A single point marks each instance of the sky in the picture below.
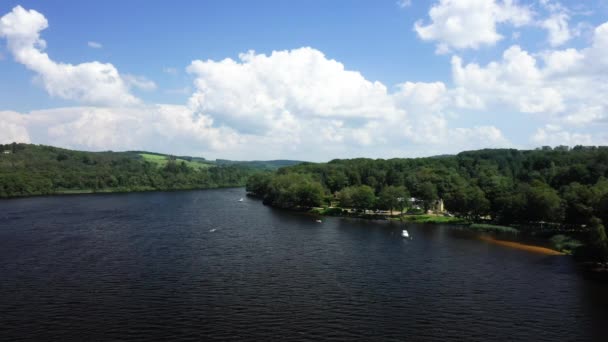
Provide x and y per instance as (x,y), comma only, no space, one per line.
(310,80)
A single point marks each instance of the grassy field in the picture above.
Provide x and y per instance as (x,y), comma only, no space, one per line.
(161,160)
(434,219)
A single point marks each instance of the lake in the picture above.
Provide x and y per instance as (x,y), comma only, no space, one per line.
(197,265)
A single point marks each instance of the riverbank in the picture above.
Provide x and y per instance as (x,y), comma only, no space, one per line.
(560,244)
(72,192)
(520,246)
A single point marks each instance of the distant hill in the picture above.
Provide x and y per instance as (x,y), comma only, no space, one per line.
(269,165)
(260,164)
(27,169)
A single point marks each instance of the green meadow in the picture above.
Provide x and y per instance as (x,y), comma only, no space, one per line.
(162,160)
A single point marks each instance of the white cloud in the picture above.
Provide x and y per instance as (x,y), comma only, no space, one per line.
(565,88)
(421,96)
(516,81)
(478,137)
(567,84)
(288,104)
(139,82)
(297,93)
(556,23)
(179,91)
(404,3)
(554,135)
(459,24)
(94,45)
(155,127)
(92,82)
(176,129)
(557,26)
(291,103)
(515,35)
(260,91)
(12,128)
(587,115)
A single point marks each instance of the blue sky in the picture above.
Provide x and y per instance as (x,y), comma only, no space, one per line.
(347,79)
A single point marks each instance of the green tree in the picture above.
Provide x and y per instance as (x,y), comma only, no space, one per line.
(363,197)
(544,204)
(468,202)
(345,197)
(393,197)
(578,202)
(427,192)
(309,194)
(599,241)
(358,197)
(601,208)
(258,184)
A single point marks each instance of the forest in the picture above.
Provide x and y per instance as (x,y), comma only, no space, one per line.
(27,170)
(559,187)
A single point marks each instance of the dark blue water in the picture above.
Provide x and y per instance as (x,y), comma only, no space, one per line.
(200,265)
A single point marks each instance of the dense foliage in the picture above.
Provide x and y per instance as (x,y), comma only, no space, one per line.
(38,170)
(560,186)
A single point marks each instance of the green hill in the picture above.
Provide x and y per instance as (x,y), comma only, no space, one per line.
(260,164)
(161,160)
(27,170)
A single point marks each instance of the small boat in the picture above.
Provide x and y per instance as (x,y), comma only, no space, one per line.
(212,230)
(241,199)
(319,221)
(405,234)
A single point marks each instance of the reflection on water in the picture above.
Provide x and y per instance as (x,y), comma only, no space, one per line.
(199,265)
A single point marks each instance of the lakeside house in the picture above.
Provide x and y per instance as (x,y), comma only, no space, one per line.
(436,206)
(6,152)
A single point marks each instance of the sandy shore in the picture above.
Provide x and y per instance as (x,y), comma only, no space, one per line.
(529,248)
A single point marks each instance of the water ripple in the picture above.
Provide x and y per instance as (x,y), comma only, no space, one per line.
(194,266)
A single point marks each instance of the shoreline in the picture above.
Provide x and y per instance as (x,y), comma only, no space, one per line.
(451,220)
(520,246)
(76,192)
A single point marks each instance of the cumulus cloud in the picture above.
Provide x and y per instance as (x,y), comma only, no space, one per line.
(259,91)
(556,81)
(459,24)
(291,103)
(140,82)
(554,135)
(516,81)
(297,93)
(94,45)
(12,128)
(557,26)
(287,104)
(176,129)
(565,87)
(91,82)
(155,127)
(557,23)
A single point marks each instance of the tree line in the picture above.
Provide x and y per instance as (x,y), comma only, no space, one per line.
(560,186)
(27,170)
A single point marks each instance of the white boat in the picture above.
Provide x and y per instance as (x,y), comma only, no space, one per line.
(241,200)
(319,221)
(405,234)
